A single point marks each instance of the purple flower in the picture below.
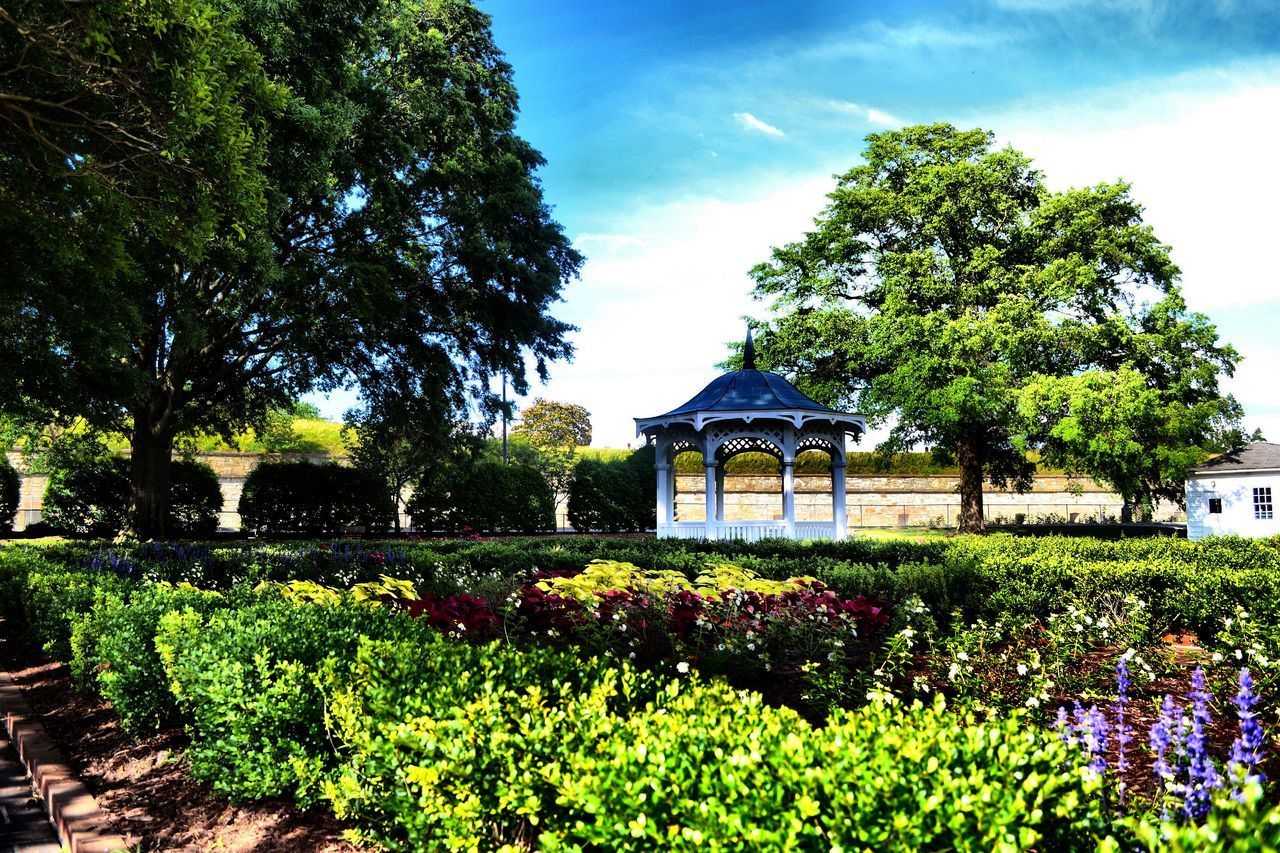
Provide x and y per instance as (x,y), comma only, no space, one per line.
(1246,751)
(1202,776)
(1165,734)
(1122,729)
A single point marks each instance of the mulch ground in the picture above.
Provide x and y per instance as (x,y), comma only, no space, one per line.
(142,784)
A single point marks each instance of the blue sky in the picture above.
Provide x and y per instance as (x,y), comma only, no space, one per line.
(684,139)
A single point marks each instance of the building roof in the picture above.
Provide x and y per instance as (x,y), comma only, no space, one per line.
(1255,456)
(750,393)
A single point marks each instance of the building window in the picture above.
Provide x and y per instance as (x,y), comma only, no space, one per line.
(1215,506)
(1262,503)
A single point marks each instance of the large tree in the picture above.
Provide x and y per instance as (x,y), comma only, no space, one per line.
(944,277)
(121,124)
(405,245)
(555,431)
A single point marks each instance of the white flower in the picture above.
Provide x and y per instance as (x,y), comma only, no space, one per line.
(682,667)
(1217,657)
(962,656)
(1022,669)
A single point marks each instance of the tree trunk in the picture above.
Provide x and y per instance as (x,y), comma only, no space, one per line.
(149,468)
(1126,512)
(969,459)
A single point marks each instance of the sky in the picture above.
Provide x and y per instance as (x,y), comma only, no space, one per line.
(684,139)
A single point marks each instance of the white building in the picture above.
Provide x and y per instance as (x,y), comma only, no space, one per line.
(1235,493)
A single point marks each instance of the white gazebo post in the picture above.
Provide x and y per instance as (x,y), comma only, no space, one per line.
(709,462)
(839,515)
(789,481)
(720,492)
(665,497)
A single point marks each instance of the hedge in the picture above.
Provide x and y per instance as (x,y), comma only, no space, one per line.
(91,498)
(614,496)
(10,487)
(306,499)
(485,497)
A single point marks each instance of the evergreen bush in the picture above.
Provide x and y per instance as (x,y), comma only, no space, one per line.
(614,496)
(485,497)
(10,487)
(306,499)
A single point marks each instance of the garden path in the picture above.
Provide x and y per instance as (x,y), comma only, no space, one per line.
(23,825)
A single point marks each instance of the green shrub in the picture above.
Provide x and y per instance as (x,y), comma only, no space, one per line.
(882,778)
(614,496)
(90,497)
(114,649)
(453,746)
(10,489)
(195,499)
(248,680)
(304,499)
(464,748)
(486,497)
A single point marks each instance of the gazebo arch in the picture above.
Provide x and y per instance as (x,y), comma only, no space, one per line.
(744,411)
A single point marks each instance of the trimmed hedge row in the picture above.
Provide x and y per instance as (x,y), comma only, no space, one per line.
(305,499)
(614,496)
(91,498)
(486,497)
(1189,586)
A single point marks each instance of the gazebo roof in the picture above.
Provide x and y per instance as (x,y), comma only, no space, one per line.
(749,394)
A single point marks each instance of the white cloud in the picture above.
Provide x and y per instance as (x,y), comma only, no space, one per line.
(877,40)
(608,242)
(869,114)
(1199,151)
(750,122)
(655,320)
(876,116)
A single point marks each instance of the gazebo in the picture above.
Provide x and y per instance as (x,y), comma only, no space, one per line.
(747,411)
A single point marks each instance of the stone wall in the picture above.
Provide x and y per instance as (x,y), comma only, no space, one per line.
(904,501)
(873,500)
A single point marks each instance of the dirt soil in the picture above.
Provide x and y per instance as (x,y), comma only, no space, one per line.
(142,784)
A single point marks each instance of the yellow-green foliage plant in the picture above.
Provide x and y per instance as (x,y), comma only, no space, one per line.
(458,747)
(722,577)
(385,587)
(602,576)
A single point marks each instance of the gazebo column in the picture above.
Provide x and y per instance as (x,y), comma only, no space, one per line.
(664,496)
(838,494)
(720,492)
(709,463)
(789,496)
(789,481)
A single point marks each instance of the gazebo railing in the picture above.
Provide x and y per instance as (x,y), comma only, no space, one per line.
(746,531)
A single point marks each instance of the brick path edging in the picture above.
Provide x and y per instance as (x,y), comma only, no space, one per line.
(73,810)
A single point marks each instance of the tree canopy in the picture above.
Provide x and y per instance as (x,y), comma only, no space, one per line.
(944,284)
(402,242)
(548,423)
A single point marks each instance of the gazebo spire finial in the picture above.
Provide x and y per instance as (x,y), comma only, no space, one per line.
(749,352)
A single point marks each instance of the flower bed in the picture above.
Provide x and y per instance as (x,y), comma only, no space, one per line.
(459,708)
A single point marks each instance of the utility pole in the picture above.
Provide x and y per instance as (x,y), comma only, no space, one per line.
(504,418)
